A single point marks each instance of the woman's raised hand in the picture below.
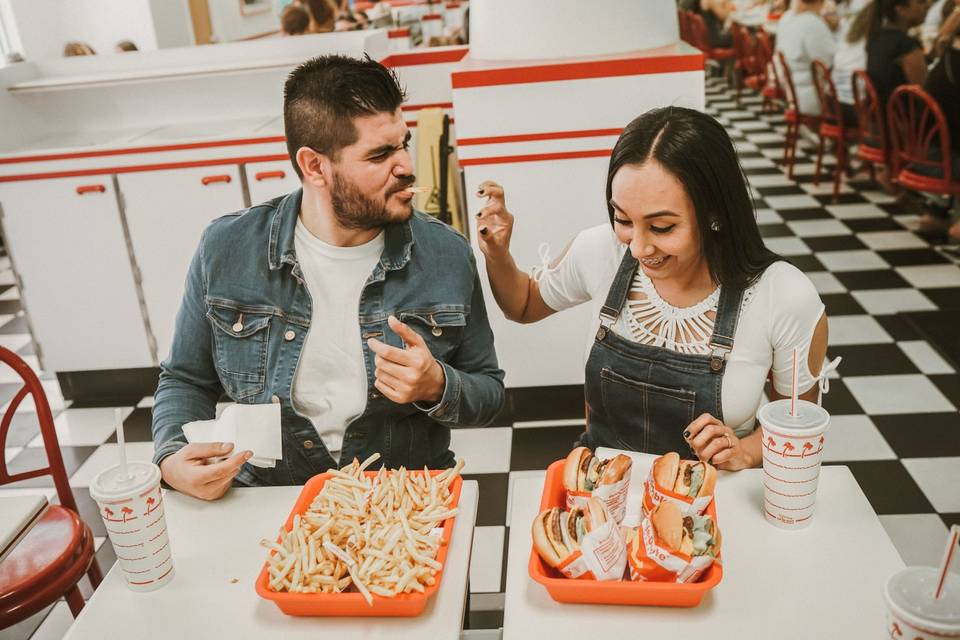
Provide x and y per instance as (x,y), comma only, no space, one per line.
(494,222)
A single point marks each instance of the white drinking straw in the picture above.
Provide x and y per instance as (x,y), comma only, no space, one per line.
(793,390)
(118,420)
(952,538)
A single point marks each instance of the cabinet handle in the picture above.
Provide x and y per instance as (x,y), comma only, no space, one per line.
(211,179)
(90,188)
(266,175)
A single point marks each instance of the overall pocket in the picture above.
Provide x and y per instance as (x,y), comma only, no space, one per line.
(442,328)
(241,340)
(644,416)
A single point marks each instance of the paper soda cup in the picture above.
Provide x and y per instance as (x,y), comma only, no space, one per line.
(792,451)
(912,611)
(132,511)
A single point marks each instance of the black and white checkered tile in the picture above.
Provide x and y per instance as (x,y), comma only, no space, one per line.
(894,308)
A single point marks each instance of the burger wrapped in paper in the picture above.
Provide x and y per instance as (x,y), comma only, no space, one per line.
(583,542)
(669,546)
(687,483)
(586,476)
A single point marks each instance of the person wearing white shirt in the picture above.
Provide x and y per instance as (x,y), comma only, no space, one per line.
(803,36)
(694,313)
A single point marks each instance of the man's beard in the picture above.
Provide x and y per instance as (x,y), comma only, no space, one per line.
(356,210)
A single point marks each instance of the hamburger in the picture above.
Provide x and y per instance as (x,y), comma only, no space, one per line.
(557,533)
(685,477)
(583,471)
(692,535)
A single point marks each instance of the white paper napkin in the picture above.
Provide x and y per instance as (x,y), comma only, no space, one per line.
(253,427)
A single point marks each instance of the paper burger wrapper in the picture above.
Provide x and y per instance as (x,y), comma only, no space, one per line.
(613,497)
(602,555)
(654,494)
(651,560)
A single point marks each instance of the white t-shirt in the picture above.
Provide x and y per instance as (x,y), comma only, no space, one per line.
(330,384)
(848,58)
(803,38)
(778,314)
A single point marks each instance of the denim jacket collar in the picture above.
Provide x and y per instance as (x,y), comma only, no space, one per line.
(398,238)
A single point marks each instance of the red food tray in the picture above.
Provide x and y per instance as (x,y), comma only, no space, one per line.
(661,594)
(352,603)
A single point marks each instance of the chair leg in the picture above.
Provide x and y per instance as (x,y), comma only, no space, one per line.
(816,175)
(840,169)
(789,147)
(75,600)
(95,574)
(873,171)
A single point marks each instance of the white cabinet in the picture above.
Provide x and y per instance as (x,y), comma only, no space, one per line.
(267,180)
(166,213)
(66,241)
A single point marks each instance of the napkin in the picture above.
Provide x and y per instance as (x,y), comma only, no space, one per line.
(253,427)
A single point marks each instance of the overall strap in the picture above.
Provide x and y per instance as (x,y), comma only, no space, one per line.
(725,327)
(619,290)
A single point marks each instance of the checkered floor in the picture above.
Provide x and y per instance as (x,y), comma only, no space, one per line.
(894,404)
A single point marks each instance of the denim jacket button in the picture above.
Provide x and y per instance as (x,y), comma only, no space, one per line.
(275,399)
(308,444)
(289,335)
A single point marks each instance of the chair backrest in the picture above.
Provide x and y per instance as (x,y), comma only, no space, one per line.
(873,130)
(765,51)
(32,387)
(788,89)
(918,132)
(830,109)
(684,25)
(698,32)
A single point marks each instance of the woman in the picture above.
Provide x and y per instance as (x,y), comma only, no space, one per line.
(803,36)
(893,56)
(850,56)
(697,312)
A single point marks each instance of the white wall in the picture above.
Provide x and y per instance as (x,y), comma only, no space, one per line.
(230,24)
(171,23)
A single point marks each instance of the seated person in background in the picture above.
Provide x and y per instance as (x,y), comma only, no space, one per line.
(323,15)
(125,46)
(715,14)
(894,57)
(294,21)
(362,318)
(346,22)
(850,56)
(78,49)
(803,37)
(694,312)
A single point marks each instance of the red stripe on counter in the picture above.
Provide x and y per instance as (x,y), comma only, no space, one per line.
(151,149)
(578,70)
(530,137)
(412,124)
(424,57)
(402,32)
(141,167)
(536,157)
(418,107)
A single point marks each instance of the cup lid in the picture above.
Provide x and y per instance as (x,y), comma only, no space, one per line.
(810,416)
(911,592)
(110,484)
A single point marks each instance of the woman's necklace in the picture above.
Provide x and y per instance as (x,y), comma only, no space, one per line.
(652,320)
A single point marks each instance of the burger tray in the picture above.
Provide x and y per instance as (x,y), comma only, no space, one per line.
(660,594)
(352,603)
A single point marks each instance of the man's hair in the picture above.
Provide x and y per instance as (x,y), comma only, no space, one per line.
(294,20)
(324,95)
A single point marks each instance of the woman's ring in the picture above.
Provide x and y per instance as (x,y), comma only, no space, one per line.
(729,441)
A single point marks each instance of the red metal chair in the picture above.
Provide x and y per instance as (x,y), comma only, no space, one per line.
(920,154)
(793,116)
(771,91)
(698,31)
(832,126)
(54,556)
(684,23)
(873,148)
(749,67)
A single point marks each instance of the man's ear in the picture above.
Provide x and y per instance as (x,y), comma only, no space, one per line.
(315,167)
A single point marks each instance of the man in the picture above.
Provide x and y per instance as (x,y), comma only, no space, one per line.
(363,318)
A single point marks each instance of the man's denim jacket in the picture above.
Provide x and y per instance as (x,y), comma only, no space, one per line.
(246,313)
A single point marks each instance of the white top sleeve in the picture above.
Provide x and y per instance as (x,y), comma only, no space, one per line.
(820,42)
(584,271)
(794,311)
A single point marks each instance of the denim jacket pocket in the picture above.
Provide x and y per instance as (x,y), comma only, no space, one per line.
(441,327)
(241,341)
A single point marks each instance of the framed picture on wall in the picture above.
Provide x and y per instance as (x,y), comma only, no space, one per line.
(251,7)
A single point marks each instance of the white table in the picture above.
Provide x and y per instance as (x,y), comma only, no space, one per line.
(18,514)
(217,557)
(821,582)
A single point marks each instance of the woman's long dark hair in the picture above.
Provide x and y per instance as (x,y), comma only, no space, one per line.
(697,150)
(871,18)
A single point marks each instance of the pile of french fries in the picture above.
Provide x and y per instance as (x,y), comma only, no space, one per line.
(375,534)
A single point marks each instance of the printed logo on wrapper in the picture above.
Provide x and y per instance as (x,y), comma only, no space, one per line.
(613,496)
(602,555)
(654,494)
(652,561)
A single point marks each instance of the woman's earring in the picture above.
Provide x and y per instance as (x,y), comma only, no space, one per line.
(715,225)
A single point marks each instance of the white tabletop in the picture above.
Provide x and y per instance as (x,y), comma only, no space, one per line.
(18,514)
(217,557)
(821,582)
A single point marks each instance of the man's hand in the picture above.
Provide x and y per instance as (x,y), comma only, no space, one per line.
(410,374)
(192,471)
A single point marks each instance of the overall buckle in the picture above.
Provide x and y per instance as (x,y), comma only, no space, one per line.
(718,358)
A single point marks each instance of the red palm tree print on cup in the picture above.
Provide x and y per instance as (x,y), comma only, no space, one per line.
(806,448)
(787,447)
(151,505)
(771,443)
(126,511)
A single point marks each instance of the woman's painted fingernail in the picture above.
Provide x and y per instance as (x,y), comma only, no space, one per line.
(483,231)
(686,434)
